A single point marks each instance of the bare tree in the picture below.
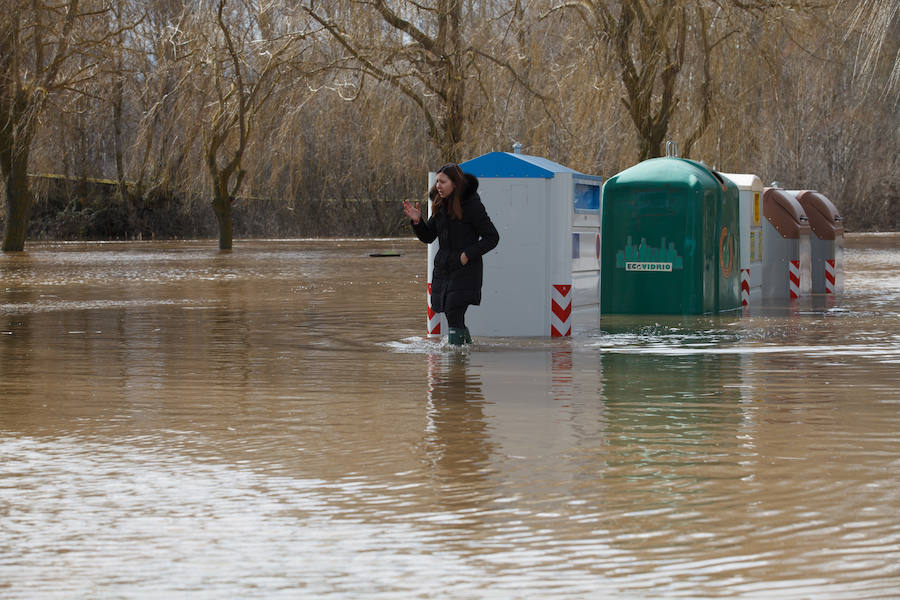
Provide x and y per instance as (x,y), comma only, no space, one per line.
(35,46)
(649,44)
(246,54)
(160,64)
(428,50)
(232,56)
(653,43)
(879,21)
(47,50)
(118,73)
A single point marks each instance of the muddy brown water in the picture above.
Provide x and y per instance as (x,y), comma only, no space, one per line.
(269,423)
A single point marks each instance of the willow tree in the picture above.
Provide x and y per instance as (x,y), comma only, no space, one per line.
(38,41)
(664,54)
(243,51)
(879,21)
(431,51)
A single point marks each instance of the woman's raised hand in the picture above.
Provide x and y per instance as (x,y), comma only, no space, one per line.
(412,211)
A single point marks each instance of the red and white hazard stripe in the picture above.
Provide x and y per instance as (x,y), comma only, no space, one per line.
(560,310)
(745,287)
(829,276)
(794,277)
(433,323)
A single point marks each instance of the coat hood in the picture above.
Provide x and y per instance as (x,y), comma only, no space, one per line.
(471,184)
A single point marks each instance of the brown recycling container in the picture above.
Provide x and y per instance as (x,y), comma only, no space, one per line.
(786,247)
(826,243)
(785,213)
(824,219)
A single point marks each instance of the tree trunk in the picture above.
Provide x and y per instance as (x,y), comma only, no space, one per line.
(650,81)
(454,121)
(652,136)
(223,218)
(118,100)
(454,81)
(16,133)
(18,202)
(222,208)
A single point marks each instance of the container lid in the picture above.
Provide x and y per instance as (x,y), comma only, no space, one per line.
(785,213)
(746,181)
(508,164)
(671,171)
(824,218)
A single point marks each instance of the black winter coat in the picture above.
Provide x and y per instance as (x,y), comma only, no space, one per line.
(454,285)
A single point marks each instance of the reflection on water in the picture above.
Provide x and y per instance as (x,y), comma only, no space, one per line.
(269,423)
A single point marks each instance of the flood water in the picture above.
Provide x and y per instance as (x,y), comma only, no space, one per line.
(269,423)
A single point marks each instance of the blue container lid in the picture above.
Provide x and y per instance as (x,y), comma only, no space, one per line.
(507,164)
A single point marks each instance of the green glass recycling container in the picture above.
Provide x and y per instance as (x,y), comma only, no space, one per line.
(670,240)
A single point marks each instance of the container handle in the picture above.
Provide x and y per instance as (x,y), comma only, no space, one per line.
(671,149)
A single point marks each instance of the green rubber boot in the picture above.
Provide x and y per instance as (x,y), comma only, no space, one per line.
(459,336)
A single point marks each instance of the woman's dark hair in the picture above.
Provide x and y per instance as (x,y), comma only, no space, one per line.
(455,175)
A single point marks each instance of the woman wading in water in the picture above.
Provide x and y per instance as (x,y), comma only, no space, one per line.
(464,232)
